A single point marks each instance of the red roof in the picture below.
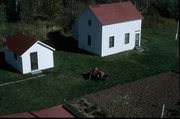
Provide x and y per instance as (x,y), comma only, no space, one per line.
(19,43)
(21,115)
(53,112)
(115,12)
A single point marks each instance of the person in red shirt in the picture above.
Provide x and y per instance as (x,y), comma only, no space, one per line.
(95,70)
(96,74)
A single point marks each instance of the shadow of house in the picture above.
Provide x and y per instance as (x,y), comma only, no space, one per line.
(94,77)
(4,65)
(60,42)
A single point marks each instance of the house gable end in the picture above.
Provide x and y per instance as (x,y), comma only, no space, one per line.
(39,43)
(90,12)
(92,30)
(94,16)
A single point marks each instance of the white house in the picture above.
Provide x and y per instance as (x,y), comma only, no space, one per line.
(108,28)
(27,54)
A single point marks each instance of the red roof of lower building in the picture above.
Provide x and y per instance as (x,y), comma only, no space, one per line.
(21,115)
(19,43)
(115,12)
(54,112)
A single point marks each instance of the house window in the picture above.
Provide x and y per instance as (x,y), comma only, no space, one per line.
(89,22)
(111,41)
(15,56)
(89,40)
(126,38)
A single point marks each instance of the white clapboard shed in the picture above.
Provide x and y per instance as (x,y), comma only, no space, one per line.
(27,54)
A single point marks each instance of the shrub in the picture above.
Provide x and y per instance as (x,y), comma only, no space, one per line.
(86,103)
(100,114)
(156,21)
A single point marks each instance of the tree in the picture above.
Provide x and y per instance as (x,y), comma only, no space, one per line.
(12,10)
(52,8)
(26,13)
(2,13)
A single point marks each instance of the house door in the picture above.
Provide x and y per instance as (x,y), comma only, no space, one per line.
(137,39)
(34,61)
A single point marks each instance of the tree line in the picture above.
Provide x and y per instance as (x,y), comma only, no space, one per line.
(63,12)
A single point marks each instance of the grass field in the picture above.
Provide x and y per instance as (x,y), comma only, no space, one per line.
(65,80)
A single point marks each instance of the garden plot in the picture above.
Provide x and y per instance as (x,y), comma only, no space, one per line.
(142,98)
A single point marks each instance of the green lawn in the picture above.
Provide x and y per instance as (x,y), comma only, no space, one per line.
(65,80)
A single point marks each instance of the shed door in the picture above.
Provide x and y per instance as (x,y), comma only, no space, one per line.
(34,61)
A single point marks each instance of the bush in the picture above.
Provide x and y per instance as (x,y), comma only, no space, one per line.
(88,110)
(156,21)
(37,30)
(73,109)
(100,114)
(93,107)
(86,103)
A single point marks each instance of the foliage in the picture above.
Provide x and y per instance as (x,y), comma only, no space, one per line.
(63,12)
(100,114)
(26,11)
(166,8)
(121,100)
(2,13)
(52,8)
(73,109)
(152,21)
(90,109)
(37,29)
(12,10)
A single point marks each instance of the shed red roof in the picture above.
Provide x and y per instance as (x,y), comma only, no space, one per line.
(115,12)
(19,43)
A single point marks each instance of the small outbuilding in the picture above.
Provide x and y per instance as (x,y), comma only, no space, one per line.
(27,54)
(107,29)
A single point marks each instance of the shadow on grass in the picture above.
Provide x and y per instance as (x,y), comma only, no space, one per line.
(87,77)
(4,65)
(60,42)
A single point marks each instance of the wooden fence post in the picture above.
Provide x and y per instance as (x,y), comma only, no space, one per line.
(162,114)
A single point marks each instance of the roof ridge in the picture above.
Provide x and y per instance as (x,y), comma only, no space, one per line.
(98,5)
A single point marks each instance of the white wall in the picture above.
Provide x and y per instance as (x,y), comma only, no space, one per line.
(16,63)
(95,30)
(118,30)
(45,58)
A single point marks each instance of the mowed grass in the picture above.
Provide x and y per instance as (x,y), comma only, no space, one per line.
(65,80)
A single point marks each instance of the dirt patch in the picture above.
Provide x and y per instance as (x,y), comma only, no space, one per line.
(142,98)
